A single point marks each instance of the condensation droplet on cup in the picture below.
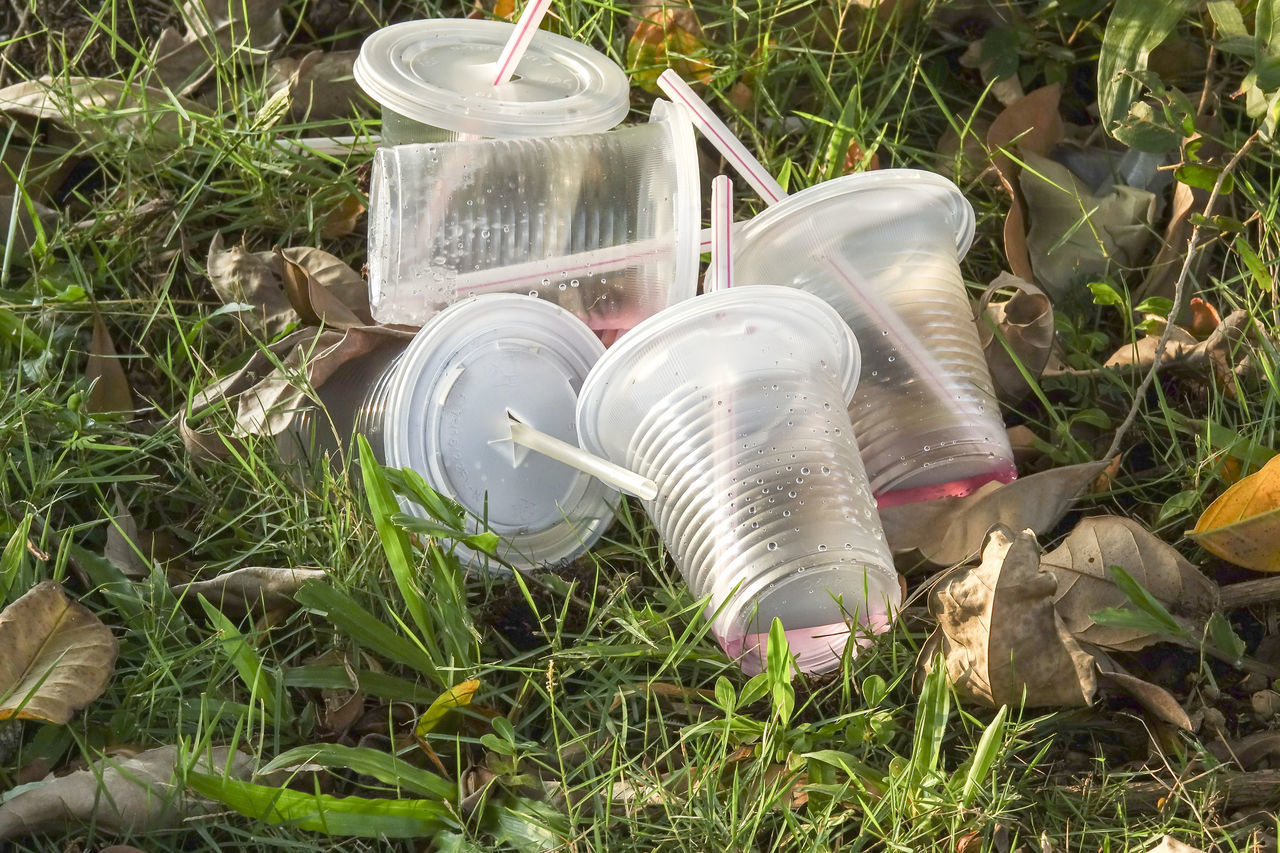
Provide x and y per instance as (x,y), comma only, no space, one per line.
(772,546)
(563,286)
(822,547)
(804,470)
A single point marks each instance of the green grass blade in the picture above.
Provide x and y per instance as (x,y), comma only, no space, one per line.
(382,766)
(13,560)
(363,627)
(379,684)
(383,505)
(984,756)
(349,816)
(253,672)
(931,723)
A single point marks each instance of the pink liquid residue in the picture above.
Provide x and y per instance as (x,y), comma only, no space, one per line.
(816,649)
(1005,473)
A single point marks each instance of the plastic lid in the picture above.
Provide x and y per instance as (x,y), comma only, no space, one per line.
(815,201)
(743,330)
(441,73)
(447,419)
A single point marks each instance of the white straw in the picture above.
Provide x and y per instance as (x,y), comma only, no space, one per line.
(532,274)
(519,41)
(720,274)
(719,135)
(575,457)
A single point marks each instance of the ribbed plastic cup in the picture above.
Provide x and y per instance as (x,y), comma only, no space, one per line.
(434,80)
(441,407)
(605,225)
(883,248)
(734,403)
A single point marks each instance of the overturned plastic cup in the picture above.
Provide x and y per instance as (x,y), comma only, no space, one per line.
(734,404)
(435,81)
(606,225)
(883,248)
(444,404)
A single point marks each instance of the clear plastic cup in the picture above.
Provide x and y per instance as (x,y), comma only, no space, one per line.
(883,248)
(440,406)
(734,403)
(434,80)
(606,225)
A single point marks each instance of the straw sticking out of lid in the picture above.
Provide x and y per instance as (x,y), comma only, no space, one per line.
(515,47)
(720,276)
(586,462)
(719,135)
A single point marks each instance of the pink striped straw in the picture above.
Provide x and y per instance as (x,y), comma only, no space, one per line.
(720,274)
(515,47)
(710,126)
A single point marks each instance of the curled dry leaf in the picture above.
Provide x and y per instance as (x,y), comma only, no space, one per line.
(1002,641)
(123,541)
(1243,525)
(253,588)
(245,31)
(99,111)
(1082,565)
(1169,844)
(1076,235)
(948,531)
(668,37)
(132,795)
(58,656)
(266,401)
(1159,703)
(321,86)
(1030,125)
(1024,323)
(109,390)
(250,278)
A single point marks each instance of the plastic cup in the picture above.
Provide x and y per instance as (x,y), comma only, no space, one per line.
(883,248)
(441,406)
(605,225)
(435,82)
(734,404)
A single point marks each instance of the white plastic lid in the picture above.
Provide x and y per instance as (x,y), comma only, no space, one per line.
(838,198)
(446,418)
(739,331)
(441,73)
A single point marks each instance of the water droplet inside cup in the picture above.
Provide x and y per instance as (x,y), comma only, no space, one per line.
(804,470)
(824,469)
(772,546)
(563,286)
(822,547)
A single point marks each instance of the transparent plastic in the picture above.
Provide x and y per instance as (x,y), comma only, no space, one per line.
(734,403)
(441,406)
(605,225)
(435,82)
(883,249)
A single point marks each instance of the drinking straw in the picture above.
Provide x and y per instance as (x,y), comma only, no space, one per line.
(575,457)
(732,149)
(721,137)
(533,273)
(720,275)
(515,47)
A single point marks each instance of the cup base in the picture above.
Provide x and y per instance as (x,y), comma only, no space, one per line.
(816,649)
(1005,473)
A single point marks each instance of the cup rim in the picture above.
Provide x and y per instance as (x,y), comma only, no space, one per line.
(432,359)
(620,356)
(688,203)
(601,102)
(907,180)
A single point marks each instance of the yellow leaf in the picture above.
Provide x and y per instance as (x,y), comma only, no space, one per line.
(668,38)
(1243,525)
(457,696)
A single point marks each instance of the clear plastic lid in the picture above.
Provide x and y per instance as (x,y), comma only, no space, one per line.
(870,197)
(441,73)
(708,341)
(446,418)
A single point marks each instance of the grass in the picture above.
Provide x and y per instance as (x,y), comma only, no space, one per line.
(606,717)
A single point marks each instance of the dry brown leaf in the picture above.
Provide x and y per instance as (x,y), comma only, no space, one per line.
(1205,319)
(131,795)
(100,111)
(1155,700)
(246,31)
(109,390)
(123,540)
(1169,844)
(1243,525)
(1074,235)
(266,401)
(1030,125)
(324,289)
(250,278)
(950,530)
(58,656)
(253,588)
(668,37)
(1025,323)
(1002,641)
(321,86)
(1082,565)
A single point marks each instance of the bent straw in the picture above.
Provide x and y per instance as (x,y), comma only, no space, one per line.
(719,135)
(515,47)
(588,463)
(720,274)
